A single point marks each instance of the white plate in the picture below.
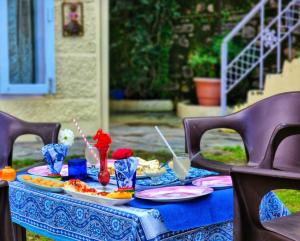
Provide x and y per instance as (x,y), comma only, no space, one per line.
(173,193)
(98,199)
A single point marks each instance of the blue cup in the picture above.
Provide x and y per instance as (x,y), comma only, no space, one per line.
(77,169)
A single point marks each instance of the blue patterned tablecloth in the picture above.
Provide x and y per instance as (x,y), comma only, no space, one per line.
(62,217)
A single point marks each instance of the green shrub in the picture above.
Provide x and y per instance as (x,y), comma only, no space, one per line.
(141,38)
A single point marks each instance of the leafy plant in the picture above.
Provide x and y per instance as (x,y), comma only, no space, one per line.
(205,59)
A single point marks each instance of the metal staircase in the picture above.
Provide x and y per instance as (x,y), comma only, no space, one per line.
(268,39)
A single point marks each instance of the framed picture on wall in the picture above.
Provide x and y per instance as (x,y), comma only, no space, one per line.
(72,19)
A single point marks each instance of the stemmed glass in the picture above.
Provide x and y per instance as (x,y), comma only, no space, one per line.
(181,167)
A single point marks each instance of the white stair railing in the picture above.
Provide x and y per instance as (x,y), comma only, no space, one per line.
(269,38)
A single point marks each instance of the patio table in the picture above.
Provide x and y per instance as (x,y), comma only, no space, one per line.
(62,217)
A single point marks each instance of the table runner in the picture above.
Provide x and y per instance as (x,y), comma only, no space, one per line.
(61,217)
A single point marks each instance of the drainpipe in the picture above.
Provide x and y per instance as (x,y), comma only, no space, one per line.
(224,78)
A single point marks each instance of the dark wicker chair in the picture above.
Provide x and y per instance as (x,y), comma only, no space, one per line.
(255,124)
(251,184)
(10,129)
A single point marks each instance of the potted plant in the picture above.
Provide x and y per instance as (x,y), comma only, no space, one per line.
(205,62)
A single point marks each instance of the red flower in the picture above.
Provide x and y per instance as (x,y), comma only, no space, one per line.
(122,153)
(103,139)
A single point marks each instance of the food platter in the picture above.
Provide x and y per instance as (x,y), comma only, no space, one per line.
(39,184)
(98,199)
(81,190)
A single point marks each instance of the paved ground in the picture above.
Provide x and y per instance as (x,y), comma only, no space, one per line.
(137,132)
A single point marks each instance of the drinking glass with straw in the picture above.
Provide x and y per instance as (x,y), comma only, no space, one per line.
(181,163)
(181,166)
(91,153)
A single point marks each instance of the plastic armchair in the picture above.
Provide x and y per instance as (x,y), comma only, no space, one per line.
(11,128)
(255,124)
(251,184)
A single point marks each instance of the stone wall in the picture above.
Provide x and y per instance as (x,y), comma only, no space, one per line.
(200,22)
(81,76)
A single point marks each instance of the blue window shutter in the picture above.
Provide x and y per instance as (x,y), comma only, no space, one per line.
(49,40)
(4,61)
(45,52)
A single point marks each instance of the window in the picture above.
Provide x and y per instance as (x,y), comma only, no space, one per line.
(27,47)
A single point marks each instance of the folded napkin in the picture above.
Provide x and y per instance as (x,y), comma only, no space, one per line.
(214,208)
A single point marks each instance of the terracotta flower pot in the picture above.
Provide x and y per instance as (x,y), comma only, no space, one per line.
(293,53)
(208,91)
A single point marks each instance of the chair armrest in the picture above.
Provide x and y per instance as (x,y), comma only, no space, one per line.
(251,184)
(195,127)
(281,132)
(3,184)
(222,168)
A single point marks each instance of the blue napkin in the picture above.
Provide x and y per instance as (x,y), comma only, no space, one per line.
(54,155)
(214,208)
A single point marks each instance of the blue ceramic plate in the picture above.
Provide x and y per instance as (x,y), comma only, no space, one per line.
(44,188)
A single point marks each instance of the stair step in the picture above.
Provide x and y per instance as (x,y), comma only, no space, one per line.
(276,83)
(254,95)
